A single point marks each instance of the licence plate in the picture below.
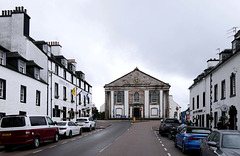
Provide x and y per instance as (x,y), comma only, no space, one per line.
(171,131)
(201,140)
(80,125)
(6,134)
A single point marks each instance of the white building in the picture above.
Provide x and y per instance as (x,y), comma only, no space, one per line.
(174,108)
(57,75)
(215,93)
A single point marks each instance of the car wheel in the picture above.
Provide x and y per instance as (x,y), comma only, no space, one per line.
(94,127)
(162,134)
(36,142)
(56,138)
(70,134)
(183,148)
(80,131)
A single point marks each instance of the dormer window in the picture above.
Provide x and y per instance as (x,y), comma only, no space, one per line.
(2,58)
(64,62)
(22,66)
(37,73)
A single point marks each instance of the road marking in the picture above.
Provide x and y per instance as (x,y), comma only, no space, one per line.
(52,146)
(160,141)
(105,148)
(165,149)
(168,154)
(37,151)
(162,144)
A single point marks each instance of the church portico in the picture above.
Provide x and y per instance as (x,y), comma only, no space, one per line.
(138,95)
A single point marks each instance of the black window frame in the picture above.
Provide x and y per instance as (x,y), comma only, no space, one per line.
(3,89)
(25,94)
(38,98)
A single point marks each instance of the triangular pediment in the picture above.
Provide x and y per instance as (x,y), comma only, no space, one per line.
(137,78)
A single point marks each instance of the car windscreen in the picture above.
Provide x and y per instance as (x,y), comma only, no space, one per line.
(81,120)
(61,123)
(198,131)
(171,121)
(231,141)
(13,122)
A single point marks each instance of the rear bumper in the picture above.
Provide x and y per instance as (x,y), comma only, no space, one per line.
(16,140)
(192,146)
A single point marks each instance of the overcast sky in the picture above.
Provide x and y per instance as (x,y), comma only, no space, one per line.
(170,40)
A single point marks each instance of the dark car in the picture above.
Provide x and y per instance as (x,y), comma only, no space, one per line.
(222,143)
(167,125)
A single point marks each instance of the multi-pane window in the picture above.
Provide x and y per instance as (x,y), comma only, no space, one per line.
(38,96)
(56,69)
(204,99)
(197,101)
(136,97)
(23,94)
(2,89)
(193,103)
(56,90)
(64,93)
(223,90)
(21,66)
(154,96)
(37,73)
(119,97)
(232,85)
(216,92)
(56,111)
(65,74)
(1,58)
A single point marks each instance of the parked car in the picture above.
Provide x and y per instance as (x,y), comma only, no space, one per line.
(86,123)
(190,137)
(222,143)
(27,129)
(167,125)
(69,128)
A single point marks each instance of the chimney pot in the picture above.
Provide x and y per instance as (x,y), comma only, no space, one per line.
(22,9)
(5,12)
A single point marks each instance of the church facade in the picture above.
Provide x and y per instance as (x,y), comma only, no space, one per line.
(138,95)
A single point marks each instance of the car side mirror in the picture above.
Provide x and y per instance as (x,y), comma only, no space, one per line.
(55,122)
(213,144)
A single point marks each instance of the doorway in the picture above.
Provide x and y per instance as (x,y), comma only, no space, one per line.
(136,112)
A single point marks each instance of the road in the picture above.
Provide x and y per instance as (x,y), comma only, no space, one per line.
(121,138)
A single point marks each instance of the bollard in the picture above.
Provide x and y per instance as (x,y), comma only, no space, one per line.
(134,119)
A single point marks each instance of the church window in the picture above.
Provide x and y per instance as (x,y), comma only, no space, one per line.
(154,97)
(136,97)
(119,97)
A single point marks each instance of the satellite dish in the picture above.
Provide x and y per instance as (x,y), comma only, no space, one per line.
(224,108)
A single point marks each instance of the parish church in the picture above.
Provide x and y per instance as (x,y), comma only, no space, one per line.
(138,95)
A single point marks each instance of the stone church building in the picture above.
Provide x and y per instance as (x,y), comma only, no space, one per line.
(138,95)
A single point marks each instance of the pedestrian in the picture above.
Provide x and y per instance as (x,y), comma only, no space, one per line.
(220,124)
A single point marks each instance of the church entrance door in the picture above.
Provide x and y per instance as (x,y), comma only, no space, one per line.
(136,112)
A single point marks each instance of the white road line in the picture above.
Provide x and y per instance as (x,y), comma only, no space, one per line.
(52,146)
(165,149)
(160,141)
(162,144)
(104,148)
(37,151)
(168,154)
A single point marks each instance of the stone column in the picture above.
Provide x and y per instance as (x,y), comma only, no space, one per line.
(126,105)
(161,103)
(146,105)
(112,105)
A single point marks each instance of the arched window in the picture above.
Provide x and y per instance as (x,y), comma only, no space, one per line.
(136,97)
(119,97)
(154,97)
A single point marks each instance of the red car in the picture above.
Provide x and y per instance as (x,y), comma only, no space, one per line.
(23,129)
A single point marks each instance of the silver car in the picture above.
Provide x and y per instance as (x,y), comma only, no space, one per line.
(221,143)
